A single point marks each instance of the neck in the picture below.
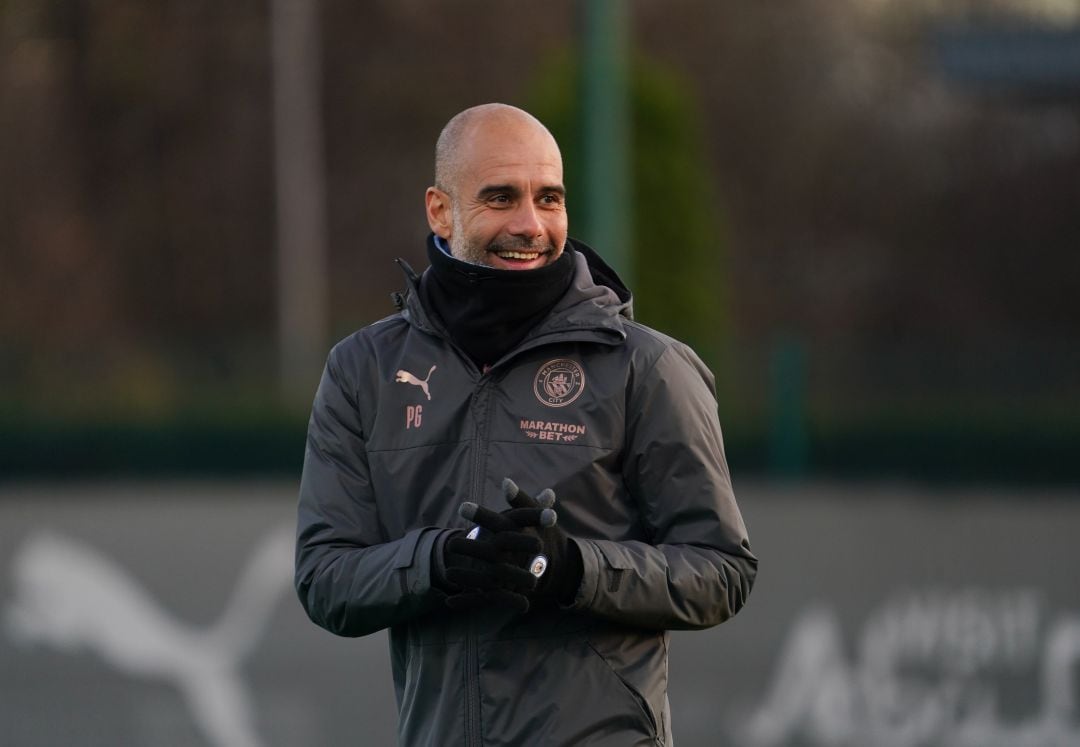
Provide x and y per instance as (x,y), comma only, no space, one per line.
(488,311)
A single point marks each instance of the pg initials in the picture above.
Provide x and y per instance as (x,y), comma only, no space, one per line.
(413,416)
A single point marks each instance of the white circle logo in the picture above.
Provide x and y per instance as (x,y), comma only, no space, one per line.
(559,382)
(539,565)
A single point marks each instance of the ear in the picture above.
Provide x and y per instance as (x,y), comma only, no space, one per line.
(439,212)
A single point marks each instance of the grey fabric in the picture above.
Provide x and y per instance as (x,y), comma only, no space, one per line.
(619,420)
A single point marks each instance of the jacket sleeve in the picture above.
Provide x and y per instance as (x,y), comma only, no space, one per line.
(350,579)
(696,570)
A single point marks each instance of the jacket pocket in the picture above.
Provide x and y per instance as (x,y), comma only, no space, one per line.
(638,699)
(559,691)
(617,565)
(403,559)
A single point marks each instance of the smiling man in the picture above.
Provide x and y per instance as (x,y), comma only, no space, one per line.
(499,197)
(526,486)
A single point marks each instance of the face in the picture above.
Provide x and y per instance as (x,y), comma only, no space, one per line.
(507,207)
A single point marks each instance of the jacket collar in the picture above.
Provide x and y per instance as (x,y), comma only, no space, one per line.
(593,308)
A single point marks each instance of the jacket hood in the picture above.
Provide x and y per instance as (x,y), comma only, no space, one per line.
(596,301)
(603,275)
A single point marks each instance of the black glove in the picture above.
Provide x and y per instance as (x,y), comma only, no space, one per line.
(480,572)
(562,576)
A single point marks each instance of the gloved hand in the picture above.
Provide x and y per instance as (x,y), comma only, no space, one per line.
(480,572)
(562,576)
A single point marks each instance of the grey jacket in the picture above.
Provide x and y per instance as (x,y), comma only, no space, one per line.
(619,420)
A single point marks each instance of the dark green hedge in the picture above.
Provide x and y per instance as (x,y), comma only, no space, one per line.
(76,450)
(938,451)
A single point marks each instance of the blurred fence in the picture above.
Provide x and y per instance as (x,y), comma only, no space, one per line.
(883,289)
(1008,413)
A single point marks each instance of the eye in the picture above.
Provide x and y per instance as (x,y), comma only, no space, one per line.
(551,198)
(499,199)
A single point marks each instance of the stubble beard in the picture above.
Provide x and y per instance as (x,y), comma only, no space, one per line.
(479,253)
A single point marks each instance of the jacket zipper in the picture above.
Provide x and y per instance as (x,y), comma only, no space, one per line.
(473,726)
(472,691)
(473,736)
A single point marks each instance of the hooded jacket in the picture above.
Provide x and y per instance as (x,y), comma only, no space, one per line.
(619,420)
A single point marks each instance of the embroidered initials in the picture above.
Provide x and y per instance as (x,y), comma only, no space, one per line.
(413,415)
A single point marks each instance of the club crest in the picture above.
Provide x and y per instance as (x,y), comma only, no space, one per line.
(559,382)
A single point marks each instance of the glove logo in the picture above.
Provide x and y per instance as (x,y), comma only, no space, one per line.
(539,565)
(559,382)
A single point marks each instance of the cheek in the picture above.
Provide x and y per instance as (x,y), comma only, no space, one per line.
(488,227)
(557,225)
(476,224)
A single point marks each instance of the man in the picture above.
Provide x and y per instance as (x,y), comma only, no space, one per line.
(515,356)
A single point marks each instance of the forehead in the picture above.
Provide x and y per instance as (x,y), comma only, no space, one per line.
(508,152)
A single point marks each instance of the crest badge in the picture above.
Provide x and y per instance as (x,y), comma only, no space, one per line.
(559,382)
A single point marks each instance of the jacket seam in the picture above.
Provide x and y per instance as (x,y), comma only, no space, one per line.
(351,388)
(417,446)
(555,443)
(632,394)
(666,340)
(668,347)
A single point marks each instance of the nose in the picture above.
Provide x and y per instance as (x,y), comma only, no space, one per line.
(525,221)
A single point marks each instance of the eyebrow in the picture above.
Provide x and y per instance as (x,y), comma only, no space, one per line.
(496,189)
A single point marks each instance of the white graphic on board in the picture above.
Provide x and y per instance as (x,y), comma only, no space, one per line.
(928,669)
(71,597)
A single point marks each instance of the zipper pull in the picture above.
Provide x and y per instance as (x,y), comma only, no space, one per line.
(407,269)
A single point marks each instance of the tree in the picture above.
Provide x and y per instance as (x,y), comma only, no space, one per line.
(678,226)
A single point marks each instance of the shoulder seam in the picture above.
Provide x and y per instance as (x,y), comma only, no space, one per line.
(667,341)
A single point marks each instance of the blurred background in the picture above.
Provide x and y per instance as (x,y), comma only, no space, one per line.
(863,214)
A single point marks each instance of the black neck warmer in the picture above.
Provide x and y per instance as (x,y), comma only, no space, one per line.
(487,311)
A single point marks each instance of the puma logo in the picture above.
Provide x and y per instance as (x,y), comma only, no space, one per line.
(71,597)
(404,377)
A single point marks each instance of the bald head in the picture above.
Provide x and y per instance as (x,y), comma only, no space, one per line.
(498,198)
(452,150)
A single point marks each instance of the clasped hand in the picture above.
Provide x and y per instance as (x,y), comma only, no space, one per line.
(492,568)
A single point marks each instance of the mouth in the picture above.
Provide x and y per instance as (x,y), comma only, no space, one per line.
(511,254)
(518,258)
